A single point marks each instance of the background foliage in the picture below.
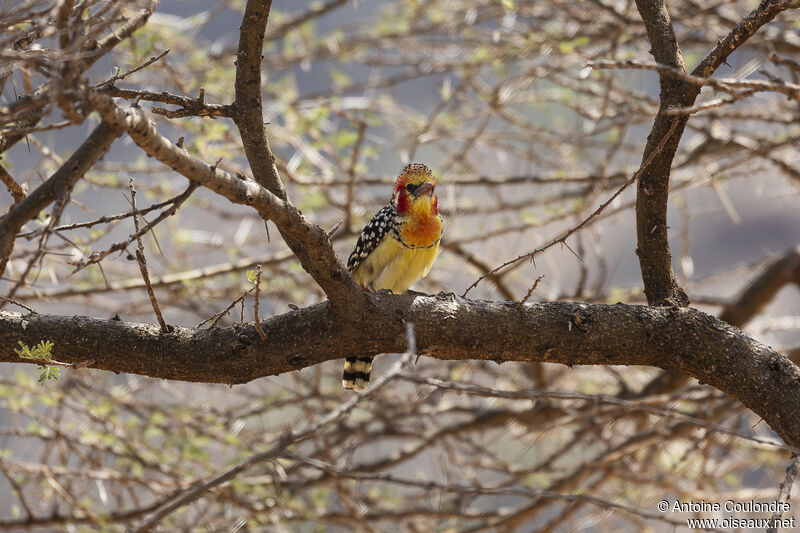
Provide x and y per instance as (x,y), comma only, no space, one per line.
(527,137)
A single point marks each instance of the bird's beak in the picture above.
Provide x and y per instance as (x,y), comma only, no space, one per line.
(426,187)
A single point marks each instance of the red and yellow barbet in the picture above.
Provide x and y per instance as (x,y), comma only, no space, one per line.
(396,249)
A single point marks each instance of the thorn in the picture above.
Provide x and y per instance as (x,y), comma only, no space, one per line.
(564,243)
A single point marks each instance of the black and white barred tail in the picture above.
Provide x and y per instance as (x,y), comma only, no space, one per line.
(356,373)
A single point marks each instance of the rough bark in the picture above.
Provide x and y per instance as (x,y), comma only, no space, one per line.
(248,112)
(249,118)
(446,327)
(740,311)
(652,196)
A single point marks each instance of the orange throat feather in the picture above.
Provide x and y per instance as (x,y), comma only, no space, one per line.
(423,225)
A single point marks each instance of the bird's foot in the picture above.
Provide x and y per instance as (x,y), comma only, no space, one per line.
(371,288)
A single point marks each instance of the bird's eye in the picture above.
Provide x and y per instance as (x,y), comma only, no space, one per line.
(411,187)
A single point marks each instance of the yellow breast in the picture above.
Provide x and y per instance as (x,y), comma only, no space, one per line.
(396,267)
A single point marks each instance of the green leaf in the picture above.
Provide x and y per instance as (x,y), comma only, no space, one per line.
(343,139)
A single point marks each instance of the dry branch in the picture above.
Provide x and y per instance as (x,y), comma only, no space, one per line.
(314,249)
(57,185)
(652,196)
(447,327)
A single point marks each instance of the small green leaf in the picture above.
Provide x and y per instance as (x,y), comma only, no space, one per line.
(343,139)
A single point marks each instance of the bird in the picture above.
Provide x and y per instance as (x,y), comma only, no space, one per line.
(395,249)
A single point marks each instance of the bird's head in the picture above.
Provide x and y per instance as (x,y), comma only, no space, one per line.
(415,191)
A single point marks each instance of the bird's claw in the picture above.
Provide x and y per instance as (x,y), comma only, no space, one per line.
(371,288)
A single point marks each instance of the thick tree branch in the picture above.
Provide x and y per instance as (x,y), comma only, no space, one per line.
(313,245)
(652,196)
(249,118)
(248,114)
(447,327)
(739,312)
(58,184)
(747,27)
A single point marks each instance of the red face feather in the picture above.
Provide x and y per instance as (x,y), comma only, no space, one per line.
(416,174)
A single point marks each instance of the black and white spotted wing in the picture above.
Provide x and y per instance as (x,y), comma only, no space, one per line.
(372,235)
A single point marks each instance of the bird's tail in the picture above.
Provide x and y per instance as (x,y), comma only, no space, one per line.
(356,372)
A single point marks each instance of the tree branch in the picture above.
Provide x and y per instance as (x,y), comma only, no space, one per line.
(249,118)
(763,289)
(746,28)
(652,197)
(311,244)
(737,313)
(447,327)
(248,115)
(18,192)
(58,184)
(36,103)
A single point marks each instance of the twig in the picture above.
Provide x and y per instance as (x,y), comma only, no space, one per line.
(723,84)
(783,494)
(143,263)
(477,390)
(175,502)
(18,490)
(470,257)
(165,280)
(104,219)
(9,300)
(562,239)
(785,61)
(217,316)
(18,192)
(96,257)
(710,104)
(189,106)
(533,288)
(335,228)
(117,77)
(36,129)
(255,306)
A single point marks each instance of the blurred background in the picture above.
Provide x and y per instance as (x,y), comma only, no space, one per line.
(525,139)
